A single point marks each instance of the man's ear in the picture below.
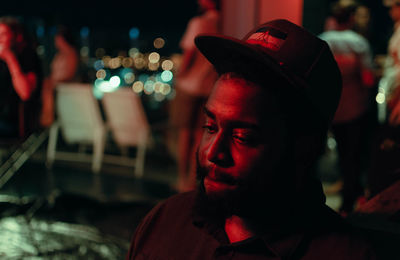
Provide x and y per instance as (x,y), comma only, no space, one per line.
(307,150)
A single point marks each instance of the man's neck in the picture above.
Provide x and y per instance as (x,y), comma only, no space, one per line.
(237,229)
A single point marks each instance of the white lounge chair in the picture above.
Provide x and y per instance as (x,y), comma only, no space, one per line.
(128,124)
(79,119)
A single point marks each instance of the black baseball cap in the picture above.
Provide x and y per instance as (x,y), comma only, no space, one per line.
(286,50)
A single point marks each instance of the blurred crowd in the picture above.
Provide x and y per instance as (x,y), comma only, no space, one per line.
(26,92)
(367,118)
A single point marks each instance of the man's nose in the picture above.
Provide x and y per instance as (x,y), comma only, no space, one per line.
(218,151)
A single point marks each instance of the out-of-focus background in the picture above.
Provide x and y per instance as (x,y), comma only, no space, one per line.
(77,187)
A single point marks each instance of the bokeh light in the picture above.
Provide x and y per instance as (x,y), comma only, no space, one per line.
(134,33)
(132,52)
(166,89)
(104,86)
(158,86)
(127,62)
(100,52)
(98,65)
(115,81)
(138,87)
(40,50)
(106,61)
(166,76)
(129,77)
(158,43)
(153,66)
(139,62)
(84,51)
(380,98)
(85,32)
(101,74)
(115,63)
(167,65)
(149,87)
(154,57)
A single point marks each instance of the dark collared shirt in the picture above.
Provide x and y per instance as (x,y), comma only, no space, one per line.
(171,231)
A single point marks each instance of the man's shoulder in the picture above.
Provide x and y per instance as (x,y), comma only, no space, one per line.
(177,206)
(180,199)
(168,224)
(343,242)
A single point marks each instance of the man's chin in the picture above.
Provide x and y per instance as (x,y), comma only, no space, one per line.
(212,202)
(214,187)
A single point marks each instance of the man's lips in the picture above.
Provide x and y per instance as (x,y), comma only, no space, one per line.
(222,177)
(215,185)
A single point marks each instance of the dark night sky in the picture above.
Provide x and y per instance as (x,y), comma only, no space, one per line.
(110,21)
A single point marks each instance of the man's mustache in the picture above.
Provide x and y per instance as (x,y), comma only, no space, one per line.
(216,174)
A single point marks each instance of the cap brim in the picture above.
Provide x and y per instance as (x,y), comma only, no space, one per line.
(226,53)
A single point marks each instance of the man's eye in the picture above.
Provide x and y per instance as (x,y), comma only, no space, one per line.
(209,128)
(241,138)
(245,138)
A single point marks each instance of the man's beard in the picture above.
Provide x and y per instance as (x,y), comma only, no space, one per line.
(255,197)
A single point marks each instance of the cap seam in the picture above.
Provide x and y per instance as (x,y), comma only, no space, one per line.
(315,61)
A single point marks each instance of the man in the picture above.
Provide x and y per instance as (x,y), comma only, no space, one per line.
(353,120)
(267,117)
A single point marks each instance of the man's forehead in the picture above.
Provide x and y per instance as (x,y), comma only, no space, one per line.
(237,98)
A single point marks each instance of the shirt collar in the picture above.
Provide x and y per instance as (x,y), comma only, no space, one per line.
(282,245)
(283,242)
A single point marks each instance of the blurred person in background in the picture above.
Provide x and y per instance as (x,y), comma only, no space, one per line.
(20,80)
(63,68)
(350,125)
(194,80)
(385,165)
(330,21)
(391,74)
(362,21)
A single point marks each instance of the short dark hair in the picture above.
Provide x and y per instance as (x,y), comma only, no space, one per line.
(18,29)
(343,13)
(67,35)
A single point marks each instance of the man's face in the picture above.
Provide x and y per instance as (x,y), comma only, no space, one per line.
(244,138)
(6,36)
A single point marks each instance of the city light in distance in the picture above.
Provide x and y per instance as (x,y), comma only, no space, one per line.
(167,65)
(166,76)
(158,43)
(154,57)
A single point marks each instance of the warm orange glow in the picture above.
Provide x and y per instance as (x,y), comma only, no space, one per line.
(133,52)
(127,62)
(158,87)
(106,60)
(115,63)
(167,65)
(154,57)
(158,43)
(153,66)
(139,62)
(101,74)
(138,87)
